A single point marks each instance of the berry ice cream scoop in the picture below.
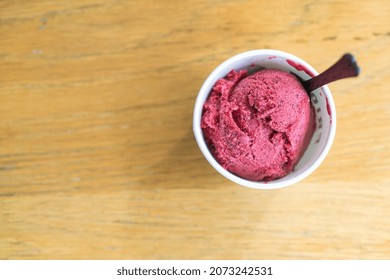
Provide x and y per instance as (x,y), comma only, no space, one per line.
(258,126)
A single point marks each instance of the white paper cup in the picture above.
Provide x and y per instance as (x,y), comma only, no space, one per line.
(321,100)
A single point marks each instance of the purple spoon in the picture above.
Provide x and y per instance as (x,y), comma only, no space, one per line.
(345,67)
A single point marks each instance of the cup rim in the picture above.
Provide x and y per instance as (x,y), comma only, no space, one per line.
(198,133)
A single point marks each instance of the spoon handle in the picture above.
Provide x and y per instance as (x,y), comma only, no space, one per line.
(345,67)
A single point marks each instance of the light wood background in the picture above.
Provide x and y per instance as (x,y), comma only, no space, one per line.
(97,155)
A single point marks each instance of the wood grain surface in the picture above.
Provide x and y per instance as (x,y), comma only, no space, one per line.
(97,154)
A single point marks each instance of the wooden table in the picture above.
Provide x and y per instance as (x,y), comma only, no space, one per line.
(97,154)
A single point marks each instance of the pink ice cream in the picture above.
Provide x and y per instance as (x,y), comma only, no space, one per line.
(258,126)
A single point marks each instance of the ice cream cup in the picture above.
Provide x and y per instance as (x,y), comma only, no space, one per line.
(321,100)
